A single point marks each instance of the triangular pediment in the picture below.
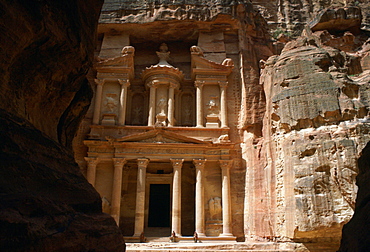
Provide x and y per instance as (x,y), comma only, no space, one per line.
(160,136)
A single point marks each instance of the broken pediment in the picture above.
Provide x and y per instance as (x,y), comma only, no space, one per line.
(160,136)
(201,65)
(121,64)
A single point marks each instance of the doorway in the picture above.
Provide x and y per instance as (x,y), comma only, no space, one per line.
(159,205)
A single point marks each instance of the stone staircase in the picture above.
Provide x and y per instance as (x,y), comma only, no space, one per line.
(161,244)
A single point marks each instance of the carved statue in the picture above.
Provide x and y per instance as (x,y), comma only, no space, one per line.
(162,103)
(105,205)
(228,62)
(224,138)
(110,102)
(163,55)
(215,208)
(137,115)
(163,48)
(187,117)
(212,107)
(196,50)
(128,50)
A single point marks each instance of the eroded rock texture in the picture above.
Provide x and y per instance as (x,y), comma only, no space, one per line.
(294,15)
(315,129)
(356,232)
(46,204)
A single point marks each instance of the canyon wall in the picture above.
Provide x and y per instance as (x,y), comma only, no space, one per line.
(290,17)
(315,129)
(46,204)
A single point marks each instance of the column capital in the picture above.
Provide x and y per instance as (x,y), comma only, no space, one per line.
(119,162)
(92,160)
(142,162)
(124,82)
(198,84)
(177,162)
(199,162)
(223,84)
(225,164)
(173,85)
(153,84)
(99,81)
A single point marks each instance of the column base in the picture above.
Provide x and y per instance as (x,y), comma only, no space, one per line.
(226,235)
(201,234)
(199,126)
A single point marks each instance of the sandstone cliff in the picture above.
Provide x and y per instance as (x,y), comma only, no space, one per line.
(315,129)
(46,204)
(292,16)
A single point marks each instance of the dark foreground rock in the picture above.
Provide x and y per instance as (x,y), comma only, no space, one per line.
(356,234)
(45,202)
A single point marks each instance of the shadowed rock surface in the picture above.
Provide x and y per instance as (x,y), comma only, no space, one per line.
(356,233)
(45,202)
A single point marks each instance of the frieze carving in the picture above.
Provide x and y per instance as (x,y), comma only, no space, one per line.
(161,151)
(110,139)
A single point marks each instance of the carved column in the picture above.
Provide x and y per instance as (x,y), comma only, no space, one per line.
(92,162)
(199,107)
(140,195)
(176,195)
(152,104)
(223,86)
(123,101)
(199,196)
(117,188)
(171,94)
(98,96)
(226,204)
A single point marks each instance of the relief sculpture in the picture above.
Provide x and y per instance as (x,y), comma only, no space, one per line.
(215,208)
(212,107)
(110,102)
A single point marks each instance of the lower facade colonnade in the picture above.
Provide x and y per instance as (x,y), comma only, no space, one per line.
(177,201)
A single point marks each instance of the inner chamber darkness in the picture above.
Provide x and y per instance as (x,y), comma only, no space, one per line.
(159,205)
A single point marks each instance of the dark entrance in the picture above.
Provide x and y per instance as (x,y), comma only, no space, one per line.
(159,205)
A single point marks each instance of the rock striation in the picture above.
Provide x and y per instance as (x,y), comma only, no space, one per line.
(315,129)
(292,17)
(46,204)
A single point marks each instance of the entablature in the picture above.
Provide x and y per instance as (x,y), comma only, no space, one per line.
(212,135)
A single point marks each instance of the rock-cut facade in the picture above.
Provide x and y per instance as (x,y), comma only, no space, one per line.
(195,128)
